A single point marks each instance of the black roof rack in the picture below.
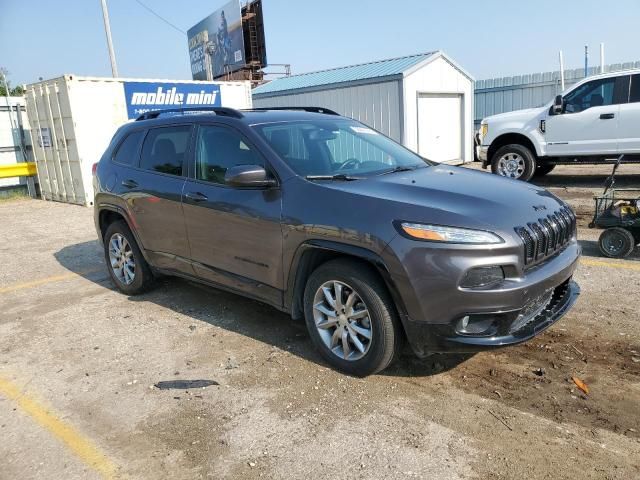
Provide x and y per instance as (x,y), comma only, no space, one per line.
(305,109)
(224,111)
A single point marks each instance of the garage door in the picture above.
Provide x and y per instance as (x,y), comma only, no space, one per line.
(440,118)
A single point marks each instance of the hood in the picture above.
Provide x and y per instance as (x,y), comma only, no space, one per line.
(452,196)
(525,114)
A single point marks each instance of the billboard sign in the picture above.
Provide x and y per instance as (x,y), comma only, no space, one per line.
(142,97)
(216,44)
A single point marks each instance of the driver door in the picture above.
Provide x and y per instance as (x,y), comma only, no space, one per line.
(588,124)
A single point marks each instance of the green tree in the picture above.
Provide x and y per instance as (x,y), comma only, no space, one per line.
(15,92)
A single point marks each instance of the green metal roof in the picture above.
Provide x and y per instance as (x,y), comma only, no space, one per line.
(364,71)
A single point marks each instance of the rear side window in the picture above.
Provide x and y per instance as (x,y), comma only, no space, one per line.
(164,149)
(634,91)
(127,153)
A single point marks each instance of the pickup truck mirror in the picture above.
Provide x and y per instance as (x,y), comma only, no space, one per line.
(558,105)
(249,176)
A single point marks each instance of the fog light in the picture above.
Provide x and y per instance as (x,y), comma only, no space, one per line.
(482,277)
(476,325)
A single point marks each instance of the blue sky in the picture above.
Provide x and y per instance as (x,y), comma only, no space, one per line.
(44,38)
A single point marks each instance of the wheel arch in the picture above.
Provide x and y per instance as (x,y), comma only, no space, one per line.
(108,214)
(509,138)
(313,253)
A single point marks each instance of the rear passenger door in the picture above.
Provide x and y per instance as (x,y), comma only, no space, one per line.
(629,127)
(234,233)
(153,194)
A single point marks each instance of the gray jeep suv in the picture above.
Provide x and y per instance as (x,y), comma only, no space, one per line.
(331,221)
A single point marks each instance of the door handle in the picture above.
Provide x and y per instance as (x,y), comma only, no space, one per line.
(196,196)
(607,116)
(129,183)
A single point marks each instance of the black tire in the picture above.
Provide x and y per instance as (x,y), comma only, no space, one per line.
(143,277)
(544,169)
(386,332)
(616,242)
(517,152)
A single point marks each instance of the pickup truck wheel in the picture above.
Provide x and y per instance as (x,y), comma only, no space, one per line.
(127,267)
(351,318)
(542,170)
(514,161)
(616,242)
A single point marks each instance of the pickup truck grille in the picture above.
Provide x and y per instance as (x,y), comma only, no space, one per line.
(548,235)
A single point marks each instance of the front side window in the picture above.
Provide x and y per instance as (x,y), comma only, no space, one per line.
(330,147)
(220,148)
(128,150)
(164,149)
(591,94)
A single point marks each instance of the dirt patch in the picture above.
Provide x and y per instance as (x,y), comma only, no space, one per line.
(537,377)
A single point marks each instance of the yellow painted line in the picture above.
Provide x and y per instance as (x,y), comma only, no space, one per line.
(24,169)
(72,439)
(600,263)
(44,281)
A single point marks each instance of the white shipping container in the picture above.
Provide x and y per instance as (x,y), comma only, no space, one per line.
(73,119)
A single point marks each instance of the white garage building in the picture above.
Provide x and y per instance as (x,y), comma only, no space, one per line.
(424,101)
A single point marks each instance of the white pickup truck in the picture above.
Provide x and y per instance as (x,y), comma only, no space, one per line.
(592,122)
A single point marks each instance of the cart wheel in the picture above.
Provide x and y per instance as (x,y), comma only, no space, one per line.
(616,242)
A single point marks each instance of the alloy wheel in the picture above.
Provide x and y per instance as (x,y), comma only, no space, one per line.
(342,320)
(121,259)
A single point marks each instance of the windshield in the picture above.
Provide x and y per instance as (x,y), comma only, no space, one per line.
(342,147)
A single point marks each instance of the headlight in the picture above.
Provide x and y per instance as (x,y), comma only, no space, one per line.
(438,233)
(484,129)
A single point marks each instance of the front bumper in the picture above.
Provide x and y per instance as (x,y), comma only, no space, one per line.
(511,327)
(434,306)
(482,152)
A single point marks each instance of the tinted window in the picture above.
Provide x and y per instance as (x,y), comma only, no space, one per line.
(164,149)
(128,150)
(220,148)
(590,94)
(634,91)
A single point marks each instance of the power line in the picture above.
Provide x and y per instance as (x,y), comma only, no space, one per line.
(160,17)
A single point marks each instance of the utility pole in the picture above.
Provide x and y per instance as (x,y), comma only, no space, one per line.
(107,29)
(586,61)
(561,58)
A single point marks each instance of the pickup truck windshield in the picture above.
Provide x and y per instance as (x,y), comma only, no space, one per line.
(342,147)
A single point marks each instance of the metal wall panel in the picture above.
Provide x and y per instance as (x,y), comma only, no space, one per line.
(505,94)
(374,104)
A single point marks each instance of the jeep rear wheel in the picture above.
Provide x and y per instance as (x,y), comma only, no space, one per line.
(127,267)
(351,318)
(514,161)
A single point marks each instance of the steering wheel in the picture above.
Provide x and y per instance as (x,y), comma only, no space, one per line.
(349,162)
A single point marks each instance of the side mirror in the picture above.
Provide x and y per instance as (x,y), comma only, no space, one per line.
(249,176)
(558,105)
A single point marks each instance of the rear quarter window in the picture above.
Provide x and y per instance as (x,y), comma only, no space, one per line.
(129,148)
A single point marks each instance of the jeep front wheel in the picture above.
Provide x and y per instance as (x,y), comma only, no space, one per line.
(351,318)
(514,161)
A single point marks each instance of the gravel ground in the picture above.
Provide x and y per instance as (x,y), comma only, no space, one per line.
(91,356)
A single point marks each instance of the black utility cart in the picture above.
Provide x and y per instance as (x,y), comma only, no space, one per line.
(618,212)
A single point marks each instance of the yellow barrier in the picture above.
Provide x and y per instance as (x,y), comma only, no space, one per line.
(25,169)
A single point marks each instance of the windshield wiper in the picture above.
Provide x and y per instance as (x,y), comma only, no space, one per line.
(401,169)
(337,176)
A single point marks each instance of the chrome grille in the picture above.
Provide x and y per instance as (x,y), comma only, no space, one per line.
(548,235)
